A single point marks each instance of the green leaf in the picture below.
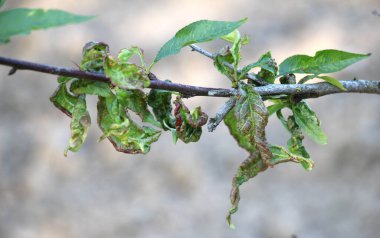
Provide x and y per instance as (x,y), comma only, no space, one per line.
(275,107)
(199,31)
(267,63)
(221,60)
(325,61)
(126,54)
(125,135)
(22,21)
(62,99)
(247,122)
(161,103)
(125,75)
(136,101)
(308,121)
(333,81)
(188,124)
(93,56)
(281,155)
(83,86)
(79,125)
(250,167)
(2,3)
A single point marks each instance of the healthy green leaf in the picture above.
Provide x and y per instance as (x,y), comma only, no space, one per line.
(62,99)
(22,21)
(79,125)
(196,32)
(325,61)
(267,63)
(188,124)
(161,103)
(275,107)
(125,135)
(136,101)
(247,122)
(308,121)
(232,37)
(125,75)
(333,81)
(2,3)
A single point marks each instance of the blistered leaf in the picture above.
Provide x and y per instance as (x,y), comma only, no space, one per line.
(188,124)
(325,61)
(91,87)
(79,125)
(125,55)
(125,135)
(136,100)
(295,145)
(250,167)
(247,122)
(161,103)
(62,99)
(22,21)
(266,63)
(199,31)
(125,75)
(93,55)
(309,122)
(333,81)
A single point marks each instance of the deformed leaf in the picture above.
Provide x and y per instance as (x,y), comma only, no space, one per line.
(266,63)
(125,135)
(308,121)
(90,87)
(222,59)
(62,99)
(281,155)
(21,21)
(247,122)
(325,61)
(125,75)
(79,125)
(161,103)
(126,54)
(93,55)
(188,124)
(136,101)
(199,31)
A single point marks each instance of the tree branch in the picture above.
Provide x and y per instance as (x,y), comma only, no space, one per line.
(302,90)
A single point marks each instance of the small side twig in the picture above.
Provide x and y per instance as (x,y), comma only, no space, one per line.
(222,112)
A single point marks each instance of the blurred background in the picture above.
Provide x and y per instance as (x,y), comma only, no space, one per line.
(183,190)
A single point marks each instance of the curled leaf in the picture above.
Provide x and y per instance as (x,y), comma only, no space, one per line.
(79,125)
(188,124)
(161,103)
(62,99)
(93,55)
(268,67)
(90,87)
(125,135)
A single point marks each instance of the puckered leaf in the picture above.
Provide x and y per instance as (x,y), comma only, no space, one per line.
(79,125)
(21,21)
(161,103)
(267,64)
(136,100)
(125,135)
(199,31)
(247,122)
(126,54)
(295,145)
(62,99)
(90,87)
(125,75)
(325,61)
(188,124)
(93,56)
(308,121)
(221,59)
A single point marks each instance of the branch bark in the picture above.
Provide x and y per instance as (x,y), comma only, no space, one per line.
(302,90)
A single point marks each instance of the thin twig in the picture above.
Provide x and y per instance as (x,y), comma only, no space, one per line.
(222,112)
(303,90)
(211,56)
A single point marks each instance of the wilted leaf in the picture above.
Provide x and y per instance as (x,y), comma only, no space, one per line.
(161,103)
(136,101)
(325,61)
(79,125)
(22,21)
(125,75)
(188,124)
(309,122)
(199,31)
(125,135)
(247,122)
